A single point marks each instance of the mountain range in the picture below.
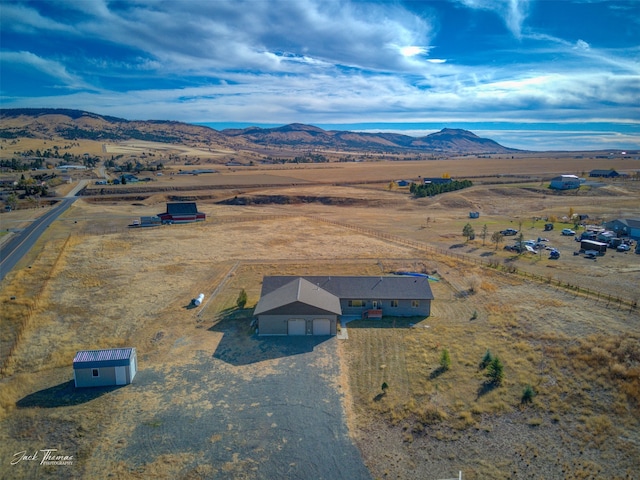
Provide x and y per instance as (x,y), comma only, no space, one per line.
(49,123)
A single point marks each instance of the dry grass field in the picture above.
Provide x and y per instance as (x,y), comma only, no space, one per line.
(93,283)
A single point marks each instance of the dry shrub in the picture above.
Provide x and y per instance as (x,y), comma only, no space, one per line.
(430,414)
(488,287)
(599,356)
(473,283)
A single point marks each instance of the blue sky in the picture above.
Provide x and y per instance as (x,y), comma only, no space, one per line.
(530,74)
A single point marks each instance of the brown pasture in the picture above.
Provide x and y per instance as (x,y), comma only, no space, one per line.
(92,282)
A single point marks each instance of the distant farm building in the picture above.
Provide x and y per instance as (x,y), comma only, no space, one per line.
(436,181)
(182,212)
(128,178)
(625,227)
(403,183)
(565,182)
(312,305)
(611,173)
(100,368)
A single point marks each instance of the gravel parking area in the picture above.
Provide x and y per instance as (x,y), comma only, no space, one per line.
(255,408)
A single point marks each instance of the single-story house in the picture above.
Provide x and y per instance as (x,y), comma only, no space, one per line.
(625,227)
(182,212)
(611,173)
(312,305)
(565,182)
(129,178)
(100,368)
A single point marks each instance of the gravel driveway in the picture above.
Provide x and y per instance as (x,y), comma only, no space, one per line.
(256,408)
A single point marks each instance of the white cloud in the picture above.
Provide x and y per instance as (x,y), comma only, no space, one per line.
(512,12)
(49,67)
(582,45)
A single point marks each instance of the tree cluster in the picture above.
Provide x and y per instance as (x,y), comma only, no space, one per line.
(431,189)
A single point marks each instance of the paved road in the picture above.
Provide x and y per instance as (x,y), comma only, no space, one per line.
(16,248)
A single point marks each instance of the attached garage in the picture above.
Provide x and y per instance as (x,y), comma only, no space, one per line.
(100,368)
(298,308)
(297,326)
(322,326)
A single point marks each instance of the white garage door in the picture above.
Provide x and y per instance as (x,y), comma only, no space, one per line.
(322,326)
(297,326)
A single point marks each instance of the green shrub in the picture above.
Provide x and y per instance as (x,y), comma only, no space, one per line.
(495,371)
(242,299)
(445,360)
(527,394)
(486,360)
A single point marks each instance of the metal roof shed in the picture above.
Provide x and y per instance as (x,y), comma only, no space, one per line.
(99,368)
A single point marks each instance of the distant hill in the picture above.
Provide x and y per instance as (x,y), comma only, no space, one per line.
(452,141)
(50,123)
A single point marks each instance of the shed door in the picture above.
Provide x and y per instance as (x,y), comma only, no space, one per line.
(322,326)
(297,326)
(121,376)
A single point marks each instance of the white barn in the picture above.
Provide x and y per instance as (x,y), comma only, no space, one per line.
(565,182)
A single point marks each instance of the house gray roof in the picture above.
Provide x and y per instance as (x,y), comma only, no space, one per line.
(297,291)
(112,357)
(630,222)
(603,172)
(390,287)
(182,208)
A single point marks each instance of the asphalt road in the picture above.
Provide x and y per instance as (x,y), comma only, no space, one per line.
(16,248)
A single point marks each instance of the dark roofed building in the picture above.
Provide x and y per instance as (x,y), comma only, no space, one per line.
(182,212)
(611,173)
(436,180)
(625,227)
(311,305)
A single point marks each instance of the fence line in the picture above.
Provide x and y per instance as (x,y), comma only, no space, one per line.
(506,269)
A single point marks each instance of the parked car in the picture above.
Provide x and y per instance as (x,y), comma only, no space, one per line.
(548,226)
(509,232)
(623,247)
(568,232)
(554,254)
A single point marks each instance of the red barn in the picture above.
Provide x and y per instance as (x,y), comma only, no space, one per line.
(182,212)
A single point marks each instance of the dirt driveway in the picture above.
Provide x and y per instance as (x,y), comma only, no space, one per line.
(255,408)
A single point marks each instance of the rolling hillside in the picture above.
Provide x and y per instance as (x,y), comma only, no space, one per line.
(49,123)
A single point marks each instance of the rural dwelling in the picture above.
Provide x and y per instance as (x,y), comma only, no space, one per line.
(611,173)
(182,212)
(312,305)
(100,368)
(565,182)
(625,227)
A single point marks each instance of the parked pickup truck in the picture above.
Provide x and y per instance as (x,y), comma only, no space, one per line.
(509,232)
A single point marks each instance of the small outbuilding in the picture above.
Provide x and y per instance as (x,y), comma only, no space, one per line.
(101,368)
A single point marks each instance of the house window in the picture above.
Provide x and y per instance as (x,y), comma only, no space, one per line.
(394,303)
(95,372)
(415,303)
(356,303)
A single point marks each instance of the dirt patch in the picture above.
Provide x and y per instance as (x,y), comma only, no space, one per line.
(296,200)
